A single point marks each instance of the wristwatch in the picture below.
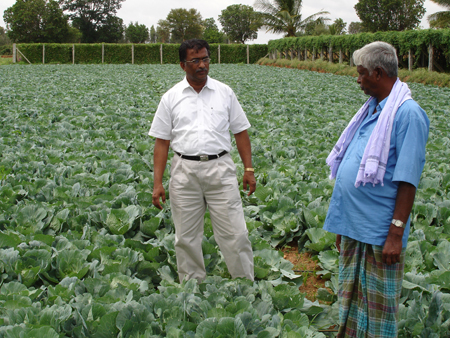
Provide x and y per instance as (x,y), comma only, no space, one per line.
(398,223)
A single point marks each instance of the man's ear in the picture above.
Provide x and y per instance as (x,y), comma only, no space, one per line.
(183,65)
(379,72)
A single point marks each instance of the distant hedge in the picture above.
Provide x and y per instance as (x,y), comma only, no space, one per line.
(122,53)
(416,41)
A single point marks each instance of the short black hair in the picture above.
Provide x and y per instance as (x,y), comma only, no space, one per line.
(195,44)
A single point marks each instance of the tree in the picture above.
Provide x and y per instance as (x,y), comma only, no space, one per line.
(211,32)
(284,16)
(184,24)
(4,40)
(355,27)
(96,19)
(389,15)
(338,27)
(152,34)
(440,19)
(37,21)
(315,27)
(240,23)
(111,31)
(137,33)
(163,31)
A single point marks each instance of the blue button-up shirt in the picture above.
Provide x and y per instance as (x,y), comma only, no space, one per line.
(365,213)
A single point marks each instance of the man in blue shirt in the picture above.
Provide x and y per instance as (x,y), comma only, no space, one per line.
(377,163)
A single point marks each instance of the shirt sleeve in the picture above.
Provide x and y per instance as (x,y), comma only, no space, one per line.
(411,138)
(162,123)
(238,119)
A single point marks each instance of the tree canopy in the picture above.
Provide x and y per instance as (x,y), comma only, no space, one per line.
(284,16)
(355,27)
(212,34)
(96,19)
(240,23)
(37,21)
(137,33)
(389,15)
(184,24)
(440,19)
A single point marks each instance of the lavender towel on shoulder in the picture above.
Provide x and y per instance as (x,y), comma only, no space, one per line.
(374,160)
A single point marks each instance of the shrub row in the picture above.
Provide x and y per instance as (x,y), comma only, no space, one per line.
(122,53)
(418,75)
(416,41)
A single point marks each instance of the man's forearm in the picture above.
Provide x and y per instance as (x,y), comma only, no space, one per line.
(403,204)
(160,154)
(244,148)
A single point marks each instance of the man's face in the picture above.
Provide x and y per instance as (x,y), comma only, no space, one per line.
(368,83)
(196,73)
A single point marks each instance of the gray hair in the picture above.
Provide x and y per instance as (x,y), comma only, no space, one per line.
(377,54)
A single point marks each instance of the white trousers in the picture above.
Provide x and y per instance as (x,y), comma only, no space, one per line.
(194,186)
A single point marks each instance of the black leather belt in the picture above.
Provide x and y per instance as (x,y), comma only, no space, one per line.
(202,158)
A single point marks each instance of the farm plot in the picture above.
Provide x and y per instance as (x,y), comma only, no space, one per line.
(83,251)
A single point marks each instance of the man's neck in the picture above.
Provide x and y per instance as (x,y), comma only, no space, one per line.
(197,86)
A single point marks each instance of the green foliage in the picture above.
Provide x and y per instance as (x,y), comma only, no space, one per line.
(211,32)
(96,20)
(240,23)
(4,39)
(136,33)
(184,24)
(417,41)
(390,15)
(143,53)
(440,19)
(284,16)
(84,252)
(37,21)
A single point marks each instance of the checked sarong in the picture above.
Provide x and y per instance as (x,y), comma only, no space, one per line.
(369,291)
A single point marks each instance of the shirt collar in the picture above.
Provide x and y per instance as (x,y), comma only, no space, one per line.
(381,105)
(209,84)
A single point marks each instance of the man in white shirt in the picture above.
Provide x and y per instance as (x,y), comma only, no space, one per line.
(194,118)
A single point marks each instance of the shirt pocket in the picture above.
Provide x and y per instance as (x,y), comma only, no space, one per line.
(218,120)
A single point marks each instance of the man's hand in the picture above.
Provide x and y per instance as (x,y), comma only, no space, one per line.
(249,179)
(338,242)
(160,159)
(158,193)
(393,246)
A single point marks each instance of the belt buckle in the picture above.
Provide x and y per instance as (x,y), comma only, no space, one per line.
(204,158)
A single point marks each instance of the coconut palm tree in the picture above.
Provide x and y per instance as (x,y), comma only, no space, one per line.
(284,16)
(440,19)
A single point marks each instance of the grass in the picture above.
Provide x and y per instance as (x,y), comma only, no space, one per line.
(6,61)
(418,75)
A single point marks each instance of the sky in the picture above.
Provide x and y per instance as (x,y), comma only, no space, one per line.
(150,12)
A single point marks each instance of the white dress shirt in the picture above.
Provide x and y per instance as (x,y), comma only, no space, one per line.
(199,123)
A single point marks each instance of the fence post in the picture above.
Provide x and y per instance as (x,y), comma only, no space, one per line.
(14,53)
(314,54)
(103,52)
(73,54)
(350,56)
(132,53)
(430,58)
(321,54)
(340,56)
(409,60)
(43,53)
(218,53)
(248,54)
(161,54)
(306,54)
(330,54)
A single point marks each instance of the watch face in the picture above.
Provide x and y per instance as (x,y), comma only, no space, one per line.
(399,224)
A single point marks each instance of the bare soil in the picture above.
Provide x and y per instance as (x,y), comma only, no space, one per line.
(305,265)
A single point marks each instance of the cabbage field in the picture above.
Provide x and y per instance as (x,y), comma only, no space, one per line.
(83,253)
